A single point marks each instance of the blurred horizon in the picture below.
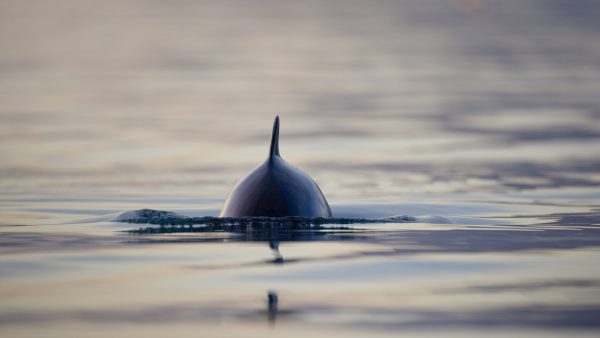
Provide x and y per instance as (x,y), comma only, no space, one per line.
(382,100)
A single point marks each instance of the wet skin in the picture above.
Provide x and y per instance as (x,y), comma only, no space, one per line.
(276,189)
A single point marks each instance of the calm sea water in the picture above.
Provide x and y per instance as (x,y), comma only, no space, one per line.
(480,118)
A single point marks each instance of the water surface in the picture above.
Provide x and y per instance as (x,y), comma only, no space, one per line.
(479,118)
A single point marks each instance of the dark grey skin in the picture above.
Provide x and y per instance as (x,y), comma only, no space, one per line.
(276,189)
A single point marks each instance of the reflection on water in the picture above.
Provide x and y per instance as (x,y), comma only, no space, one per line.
(274,245)
(424,277)
(479,118)
(273,300)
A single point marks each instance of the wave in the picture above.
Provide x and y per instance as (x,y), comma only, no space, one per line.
(170,222)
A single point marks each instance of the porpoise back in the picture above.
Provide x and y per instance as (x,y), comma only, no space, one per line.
(276,189)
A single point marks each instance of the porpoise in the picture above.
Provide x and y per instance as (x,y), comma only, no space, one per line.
(276,189)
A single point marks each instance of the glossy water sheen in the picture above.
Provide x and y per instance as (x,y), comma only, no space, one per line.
(480,118)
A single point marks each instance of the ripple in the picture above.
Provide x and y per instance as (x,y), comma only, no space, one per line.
(171,222)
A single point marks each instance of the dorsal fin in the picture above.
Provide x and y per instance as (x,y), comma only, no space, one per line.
(275,139)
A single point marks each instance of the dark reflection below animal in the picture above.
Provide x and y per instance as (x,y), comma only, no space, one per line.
(276,189)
